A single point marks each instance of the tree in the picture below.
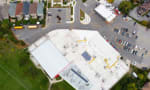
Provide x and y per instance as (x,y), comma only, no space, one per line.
(148,24)
(125,7)
(110,1)
(141,76)
(135,1)
(131,86)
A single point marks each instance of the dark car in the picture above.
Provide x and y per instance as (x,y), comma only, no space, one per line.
(134,52)
(116,30)
(123,33)
(144,68)
(124,29)
(59,10)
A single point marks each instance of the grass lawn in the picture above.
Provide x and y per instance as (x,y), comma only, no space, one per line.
(17,71)
(57,0)
(71,7)
(82,15)
(84,1)
(58,78)
(57,6)
(62,86)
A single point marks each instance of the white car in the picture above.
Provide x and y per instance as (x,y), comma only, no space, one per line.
(134,63)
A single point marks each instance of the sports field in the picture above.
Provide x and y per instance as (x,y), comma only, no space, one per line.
(17,71)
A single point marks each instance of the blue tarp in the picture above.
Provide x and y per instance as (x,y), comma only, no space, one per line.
(86,56)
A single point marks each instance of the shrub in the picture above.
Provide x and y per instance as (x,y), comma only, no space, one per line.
(110,1)
(125,7)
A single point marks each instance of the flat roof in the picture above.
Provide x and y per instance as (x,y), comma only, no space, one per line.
(40,8)
(106,12)
(33,8)
(12,9)
(47,55)
(104,68)
(4,11)
(26,6)
(19,9)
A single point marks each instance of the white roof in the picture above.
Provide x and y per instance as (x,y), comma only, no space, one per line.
(94,71)
(48,56)
(106,12)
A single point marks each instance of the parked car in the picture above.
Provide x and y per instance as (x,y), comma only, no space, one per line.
(49,14)
(134,32)
(119,41)
(134,52)
(144,68)
(131,51)
(124,29)
(123,33)
(134,63)
(129,45)
(126,44)
(122,42)
(136,37)
(59,10)
(117,30)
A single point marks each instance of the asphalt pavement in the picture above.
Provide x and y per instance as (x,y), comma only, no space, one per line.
(97,23)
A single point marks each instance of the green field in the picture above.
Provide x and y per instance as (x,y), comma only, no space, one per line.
(17,71)
(62,86)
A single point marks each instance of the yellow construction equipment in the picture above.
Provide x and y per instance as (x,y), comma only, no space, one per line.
(18,27)
(81,40)
(110,66)
(92,60)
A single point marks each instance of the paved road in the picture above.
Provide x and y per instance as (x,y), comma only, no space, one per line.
(97,23)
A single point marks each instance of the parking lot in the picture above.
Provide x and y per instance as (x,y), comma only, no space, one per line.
(130,40)
(58,15)
(127,37)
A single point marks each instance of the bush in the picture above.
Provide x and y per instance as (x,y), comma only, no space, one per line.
(125,7)
(49,5)
(110,1)
(145,23)
(148,25)
(83,0)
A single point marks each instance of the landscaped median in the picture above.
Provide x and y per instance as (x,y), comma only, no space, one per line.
(84,17)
